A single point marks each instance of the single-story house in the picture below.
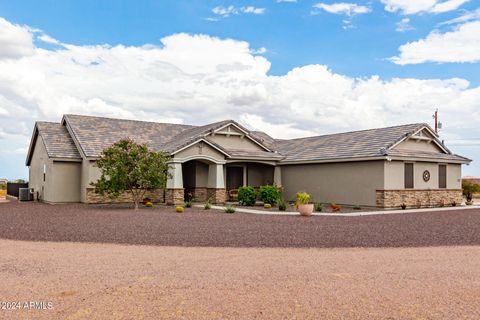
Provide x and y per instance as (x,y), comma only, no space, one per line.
(382,167)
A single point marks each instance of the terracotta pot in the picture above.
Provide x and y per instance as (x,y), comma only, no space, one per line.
(305,209)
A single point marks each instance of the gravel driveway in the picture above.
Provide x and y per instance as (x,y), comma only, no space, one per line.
(198,227)
(108,281)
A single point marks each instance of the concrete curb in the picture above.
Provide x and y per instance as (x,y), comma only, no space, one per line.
(351,214)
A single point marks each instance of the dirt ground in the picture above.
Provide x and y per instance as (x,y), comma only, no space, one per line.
(110,281)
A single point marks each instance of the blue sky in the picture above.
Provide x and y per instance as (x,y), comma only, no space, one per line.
(354,41)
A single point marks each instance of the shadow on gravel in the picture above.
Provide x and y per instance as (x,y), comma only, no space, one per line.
(199,228)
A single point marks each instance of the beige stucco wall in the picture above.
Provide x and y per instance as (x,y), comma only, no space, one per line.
(454,176)
(197,151)
(35,179)
(66,178)
(201,172)
(90,173)
(419,145)
(344,183)
(62,178)
(234,142)
(394,175)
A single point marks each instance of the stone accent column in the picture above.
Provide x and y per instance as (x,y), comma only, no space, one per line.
(174,194)
(200,194)
(216,191)
(217,196)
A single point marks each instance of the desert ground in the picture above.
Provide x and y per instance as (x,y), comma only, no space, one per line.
(104,262)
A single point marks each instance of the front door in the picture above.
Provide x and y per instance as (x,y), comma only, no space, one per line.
(234,177)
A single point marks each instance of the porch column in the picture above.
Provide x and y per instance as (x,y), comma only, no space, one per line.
(216,192)
(174,193)
(277,176)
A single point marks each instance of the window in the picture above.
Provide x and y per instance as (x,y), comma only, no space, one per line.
(442,176)
(44,171)
(408,175)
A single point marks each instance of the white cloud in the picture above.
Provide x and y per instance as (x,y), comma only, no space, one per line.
(419,6)
(198,79)
(404,25)
(47,39)
(467,16)
(227,11)
(460,45)
(15,40)
(348,9)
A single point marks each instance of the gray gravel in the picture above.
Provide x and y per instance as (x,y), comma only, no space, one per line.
(198,227)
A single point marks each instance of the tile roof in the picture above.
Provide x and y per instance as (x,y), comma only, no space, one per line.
(364,143)
(93,134)
(57,140)
(96,133)
(428,155)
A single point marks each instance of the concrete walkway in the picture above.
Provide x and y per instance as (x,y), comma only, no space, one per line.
(350,214)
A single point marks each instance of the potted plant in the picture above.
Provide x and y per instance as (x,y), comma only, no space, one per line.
(403,206)
(303,206)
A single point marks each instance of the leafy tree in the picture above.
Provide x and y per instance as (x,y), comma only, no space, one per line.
(127,166)
(469,188)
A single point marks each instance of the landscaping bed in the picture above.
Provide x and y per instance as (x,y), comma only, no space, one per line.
(291,208)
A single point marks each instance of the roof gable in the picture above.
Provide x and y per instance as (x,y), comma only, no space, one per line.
(56,139)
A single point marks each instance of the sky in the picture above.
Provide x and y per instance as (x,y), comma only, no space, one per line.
(289,68)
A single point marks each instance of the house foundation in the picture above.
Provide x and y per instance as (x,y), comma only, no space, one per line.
(157,196)
(174,196)
(423,198)
(217,196)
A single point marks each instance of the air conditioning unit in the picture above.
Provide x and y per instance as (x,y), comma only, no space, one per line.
(25,194)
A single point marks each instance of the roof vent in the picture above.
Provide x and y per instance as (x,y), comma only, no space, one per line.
(383,151)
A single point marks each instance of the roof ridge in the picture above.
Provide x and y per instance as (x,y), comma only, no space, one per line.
(129,120)
(356,131)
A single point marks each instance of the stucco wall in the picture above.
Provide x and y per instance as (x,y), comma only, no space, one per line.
(35,179)
(394,175)
(234,142)
(90,173)
(419,145)
(344,183)
(66,182)
(259,174)
(198,150)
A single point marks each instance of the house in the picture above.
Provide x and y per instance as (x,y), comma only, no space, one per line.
(382,167)
(3,181)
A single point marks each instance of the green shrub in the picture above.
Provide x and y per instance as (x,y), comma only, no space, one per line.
(247,196)
(149,204)
(282,205)
(302,198)
(318,206)
(229,209)
(188,204)
(269,194)
(267,205)
(357,207)
(207,205)
(3,186)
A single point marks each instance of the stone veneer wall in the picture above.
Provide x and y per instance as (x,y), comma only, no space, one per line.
(218,196)
(200,194)
(157,196)
(175,196)
(414,198)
